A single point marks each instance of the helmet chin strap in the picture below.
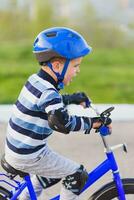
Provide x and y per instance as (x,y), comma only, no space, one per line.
(59,76)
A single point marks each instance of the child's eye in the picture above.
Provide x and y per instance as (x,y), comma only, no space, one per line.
(76,65)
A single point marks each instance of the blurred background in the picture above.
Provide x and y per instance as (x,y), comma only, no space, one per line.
(107,74)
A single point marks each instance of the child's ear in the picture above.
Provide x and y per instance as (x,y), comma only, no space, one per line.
(57,66)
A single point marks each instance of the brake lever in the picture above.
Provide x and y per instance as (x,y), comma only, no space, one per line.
(107,112)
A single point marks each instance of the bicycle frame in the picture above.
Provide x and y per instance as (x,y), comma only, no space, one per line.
(97,173)
(102,169)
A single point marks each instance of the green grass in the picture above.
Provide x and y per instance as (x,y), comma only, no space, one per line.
(107,75)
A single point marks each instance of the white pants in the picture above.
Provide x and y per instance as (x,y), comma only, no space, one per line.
(50,165)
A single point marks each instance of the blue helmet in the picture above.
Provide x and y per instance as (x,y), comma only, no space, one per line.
(60,42)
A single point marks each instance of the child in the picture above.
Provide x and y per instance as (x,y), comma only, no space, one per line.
(40,109)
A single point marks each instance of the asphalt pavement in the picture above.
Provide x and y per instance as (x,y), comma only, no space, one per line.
(89,151)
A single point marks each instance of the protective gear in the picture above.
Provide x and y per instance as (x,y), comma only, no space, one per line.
(75,182)
(60,42)
(76,98)
(58,119)
(103,120)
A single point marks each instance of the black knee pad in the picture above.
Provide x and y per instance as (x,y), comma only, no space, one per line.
(75,182)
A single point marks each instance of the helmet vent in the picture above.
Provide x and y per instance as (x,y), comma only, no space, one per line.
(51,34)
(36,41)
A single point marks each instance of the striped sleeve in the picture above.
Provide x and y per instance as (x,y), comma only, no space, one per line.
(50,100)
(79,123)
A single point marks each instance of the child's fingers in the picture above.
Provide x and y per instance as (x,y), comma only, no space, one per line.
(83,104)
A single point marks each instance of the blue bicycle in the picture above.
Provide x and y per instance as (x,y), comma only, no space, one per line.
(122,189)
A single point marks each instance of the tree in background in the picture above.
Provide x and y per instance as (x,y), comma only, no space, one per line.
(23,21)
(101,33)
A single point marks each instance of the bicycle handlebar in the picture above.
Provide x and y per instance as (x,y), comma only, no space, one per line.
(104,130)
(107,112)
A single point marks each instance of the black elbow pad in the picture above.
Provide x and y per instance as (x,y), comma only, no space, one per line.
(58,119)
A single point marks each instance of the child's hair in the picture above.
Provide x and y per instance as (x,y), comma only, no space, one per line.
(60,59)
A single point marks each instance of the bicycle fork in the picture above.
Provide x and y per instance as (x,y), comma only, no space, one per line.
(116,175)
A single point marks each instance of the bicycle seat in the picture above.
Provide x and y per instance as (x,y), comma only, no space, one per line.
(9,169)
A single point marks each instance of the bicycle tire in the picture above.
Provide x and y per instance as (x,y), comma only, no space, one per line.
(4,194)
(109,191)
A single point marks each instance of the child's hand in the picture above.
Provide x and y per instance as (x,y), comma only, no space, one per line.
(83,104)
(96,125)
(97,122)
(79,98)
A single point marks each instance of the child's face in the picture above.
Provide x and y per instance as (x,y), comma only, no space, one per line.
(72,71)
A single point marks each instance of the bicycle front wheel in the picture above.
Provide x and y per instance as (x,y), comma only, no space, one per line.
(109,191)
(4,194)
